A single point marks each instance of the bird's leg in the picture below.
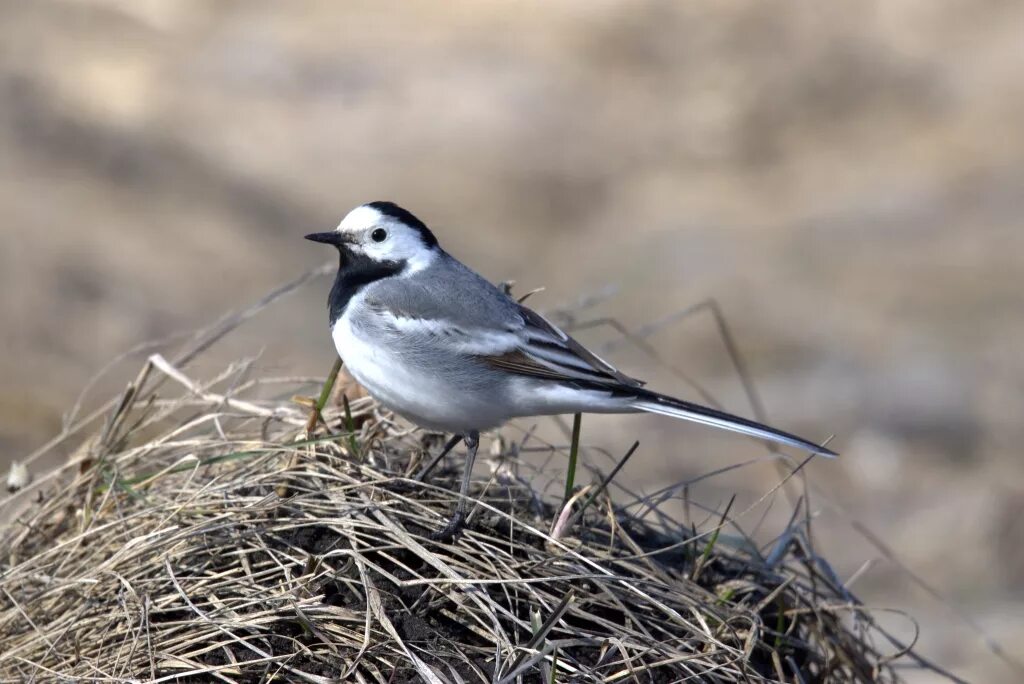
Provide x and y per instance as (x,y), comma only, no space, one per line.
(458,519)
(449,445)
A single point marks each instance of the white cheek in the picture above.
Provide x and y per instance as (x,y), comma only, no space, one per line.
(359,251)
(382,251)
(396,248)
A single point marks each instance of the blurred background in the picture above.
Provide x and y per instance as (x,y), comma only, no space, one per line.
(846,179)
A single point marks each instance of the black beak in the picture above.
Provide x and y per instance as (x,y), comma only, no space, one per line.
(332,238)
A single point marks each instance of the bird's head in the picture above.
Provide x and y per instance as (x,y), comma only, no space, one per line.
(382,232)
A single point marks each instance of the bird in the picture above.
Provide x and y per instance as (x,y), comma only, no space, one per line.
(435,342)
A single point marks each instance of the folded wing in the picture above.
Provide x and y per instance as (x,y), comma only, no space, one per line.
(544,351)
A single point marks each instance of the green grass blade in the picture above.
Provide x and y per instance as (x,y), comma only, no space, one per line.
(574,449)
(711,543)
(350,427)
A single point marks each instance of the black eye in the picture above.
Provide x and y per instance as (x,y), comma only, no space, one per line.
(379,235)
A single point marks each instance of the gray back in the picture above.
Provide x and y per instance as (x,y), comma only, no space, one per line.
(447,290)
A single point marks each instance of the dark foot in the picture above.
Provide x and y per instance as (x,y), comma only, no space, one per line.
(449,531)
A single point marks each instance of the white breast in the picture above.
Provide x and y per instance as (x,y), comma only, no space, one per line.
(427,398)
(376,369)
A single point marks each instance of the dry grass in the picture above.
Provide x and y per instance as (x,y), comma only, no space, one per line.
(202,534)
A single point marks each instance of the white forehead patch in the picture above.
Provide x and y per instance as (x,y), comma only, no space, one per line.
(360,219)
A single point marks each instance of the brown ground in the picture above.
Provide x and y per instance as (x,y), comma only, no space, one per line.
(847,180)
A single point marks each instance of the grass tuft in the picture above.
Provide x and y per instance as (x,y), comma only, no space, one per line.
(171,555)
(216,531)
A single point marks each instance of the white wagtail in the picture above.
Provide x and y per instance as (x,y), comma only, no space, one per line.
(435,342)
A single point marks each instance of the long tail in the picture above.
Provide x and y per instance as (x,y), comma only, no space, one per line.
(652,402)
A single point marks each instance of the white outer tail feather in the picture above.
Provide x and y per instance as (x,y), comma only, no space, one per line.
(698,414)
